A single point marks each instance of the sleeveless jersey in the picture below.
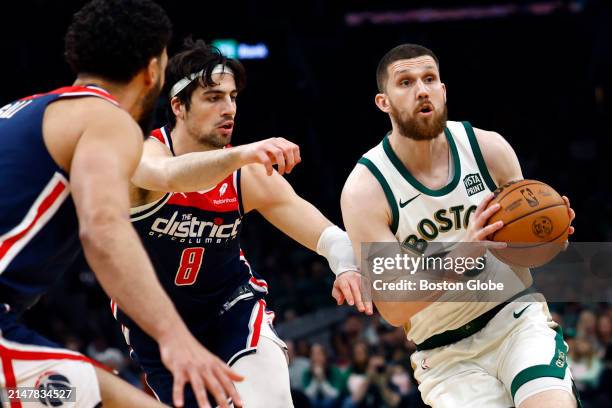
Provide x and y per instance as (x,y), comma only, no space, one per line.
(193,240)
(38,223)
(421,215)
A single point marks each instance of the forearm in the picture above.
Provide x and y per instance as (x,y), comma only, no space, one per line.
(116,255)
(201,170)
(298,219)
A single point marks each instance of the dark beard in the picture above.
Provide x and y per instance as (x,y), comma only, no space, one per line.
(214,140)
(419,130)
(148,110)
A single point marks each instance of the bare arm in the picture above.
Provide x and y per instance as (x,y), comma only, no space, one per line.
(276,200)
(160,171)
(105,157)
(503,164)
(367,218)
(499,157)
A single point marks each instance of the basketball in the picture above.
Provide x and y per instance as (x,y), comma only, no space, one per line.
(536,223)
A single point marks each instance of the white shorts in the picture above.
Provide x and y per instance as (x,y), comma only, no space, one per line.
(34,372)
(519,353)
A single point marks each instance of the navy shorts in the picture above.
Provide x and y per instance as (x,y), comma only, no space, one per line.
(231,333)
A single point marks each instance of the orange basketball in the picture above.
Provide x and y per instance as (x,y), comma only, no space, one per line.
(536,223)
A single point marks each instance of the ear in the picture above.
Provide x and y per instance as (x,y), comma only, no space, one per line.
(382,101)
(178,109)
(153,72)
(444,90)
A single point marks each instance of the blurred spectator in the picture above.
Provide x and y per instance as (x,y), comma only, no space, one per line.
(585,364)
(298,366)
(322,382)
(604,330)
(372,389)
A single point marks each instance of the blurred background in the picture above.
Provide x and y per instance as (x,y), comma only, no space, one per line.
(538,72)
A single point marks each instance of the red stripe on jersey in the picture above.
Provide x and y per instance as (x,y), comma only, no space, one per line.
(257,324)
(222,198)
(157,134)
(9,376)
(8,355)
(77,91)
(259,282)
(9,240)
(13,354)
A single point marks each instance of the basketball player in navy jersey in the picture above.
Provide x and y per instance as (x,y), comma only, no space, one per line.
(66,158)
(193,233)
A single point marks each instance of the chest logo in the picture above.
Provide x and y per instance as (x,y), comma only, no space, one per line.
(402,204)
(223,189)
(473,184)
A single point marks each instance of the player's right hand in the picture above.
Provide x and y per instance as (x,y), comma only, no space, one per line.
(478,230)
(347,287)
(269,152)
(190,362)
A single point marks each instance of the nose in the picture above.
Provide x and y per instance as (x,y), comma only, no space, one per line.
(228,106)
(422,90)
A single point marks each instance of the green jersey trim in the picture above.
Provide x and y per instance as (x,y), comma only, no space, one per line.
(556,368)
(388,193)
(413,181)
(482,166)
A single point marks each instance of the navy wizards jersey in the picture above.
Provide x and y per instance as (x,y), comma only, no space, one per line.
(38,223)
(193,240)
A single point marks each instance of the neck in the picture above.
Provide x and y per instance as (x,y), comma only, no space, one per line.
(184,142)
(420,156)
(127,95)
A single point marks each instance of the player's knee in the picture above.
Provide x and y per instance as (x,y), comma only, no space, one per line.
(550,399)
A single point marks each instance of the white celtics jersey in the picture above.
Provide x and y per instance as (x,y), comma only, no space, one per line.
(421,215)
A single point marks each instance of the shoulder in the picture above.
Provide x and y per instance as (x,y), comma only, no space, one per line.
(83,112)
(363,191)
(499,156)
(490,142)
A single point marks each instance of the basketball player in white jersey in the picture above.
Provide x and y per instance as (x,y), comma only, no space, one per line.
(412,188)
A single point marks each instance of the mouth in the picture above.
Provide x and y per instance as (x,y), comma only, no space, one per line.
(226,126)
(426,109)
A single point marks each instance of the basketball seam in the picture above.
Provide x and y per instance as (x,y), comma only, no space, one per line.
(526,215)
(537,244)
(500,196)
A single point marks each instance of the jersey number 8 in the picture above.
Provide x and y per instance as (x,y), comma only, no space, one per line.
(189,267)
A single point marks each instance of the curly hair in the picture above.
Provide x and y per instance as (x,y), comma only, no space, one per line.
(116,38)
(198,56)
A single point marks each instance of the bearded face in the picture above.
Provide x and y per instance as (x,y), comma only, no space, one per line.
(425,123)
(148,104)
(415,98)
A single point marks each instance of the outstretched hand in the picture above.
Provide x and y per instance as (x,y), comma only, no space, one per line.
(347,287)
(269,152)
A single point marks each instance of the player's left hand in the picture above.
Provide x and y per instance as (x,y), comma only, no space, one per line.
(572,214)
(347,287)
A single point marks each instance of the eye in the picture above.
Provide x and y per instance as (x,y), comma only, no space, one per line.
(429,79)
(213,98)
(405,82)
(233,98)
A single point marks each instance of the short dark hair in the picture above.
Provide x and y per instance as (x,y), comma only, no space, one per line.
(115,39)
(198,56)
(403,51)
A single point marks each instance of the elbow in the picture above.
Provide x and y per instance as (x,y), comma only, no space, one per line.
(96,229)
